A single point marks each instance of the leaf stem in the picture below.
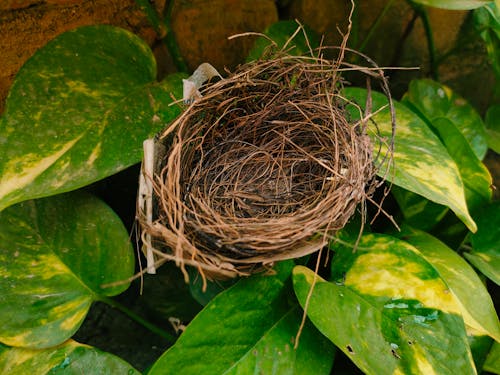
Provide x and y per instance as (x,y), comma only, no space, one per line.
(132,315)
(424,16)
(164,31)
(375,25)
(171,42)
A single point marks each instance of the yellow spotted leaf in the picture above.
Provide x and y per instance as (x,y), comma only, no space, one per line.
(421,163)
(56,255)
(388,310)
(79,110)
(68,358)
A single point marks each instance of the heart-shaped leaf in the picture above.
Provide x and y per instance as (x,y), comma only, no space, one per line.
(454,4)
(68,358)
(475,301)
(249,329)
(388,310)
(421,163)
(485,253)
(436,101)
(79,110)
(55,256)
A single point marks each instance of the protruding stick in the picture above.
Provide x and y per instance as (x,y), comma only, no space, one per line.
(146,198)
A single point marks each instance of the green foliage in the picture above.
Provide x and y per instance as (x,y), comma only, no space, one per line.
(492,123)
(487,23)
(485,252)
(247,329)
(420,163)
(71,105)
(404,303)
(56,255)
(454,4)
(68,358)
(477,308)
(492,363)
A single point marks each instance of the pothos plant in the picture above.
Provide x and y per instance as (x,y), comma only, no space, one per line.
(409,301)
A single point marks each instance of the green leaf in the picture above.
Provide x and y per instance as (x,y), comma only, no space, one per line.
(485,253)
(480,347)
(204,294)
(55,255)
(68,358)
(280,33)
(249,328)
(454,4)
(418,212)
(388,310)
(421,163)
(492,363)
(487,24)
(436,101)
(475,176)
(78,111)
(474,300)
(492,122)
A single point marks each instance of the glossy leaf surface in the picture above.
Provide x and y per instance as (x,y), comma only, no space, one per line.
(475,301)
(475,176)
(246,329)
(55,255)
(485,253)
(78,111)
(436,101)
(70,358)
(454,4)
(421,163)
(387,310)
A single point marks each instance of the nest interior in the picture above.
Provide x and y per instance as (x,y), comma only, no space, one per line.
(267,165)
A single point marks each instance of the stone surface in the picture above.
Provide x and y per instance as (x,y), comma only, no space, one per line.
(202,27)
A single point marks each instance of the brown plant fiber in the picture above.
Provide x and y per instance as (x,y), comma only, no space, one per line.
(267,165)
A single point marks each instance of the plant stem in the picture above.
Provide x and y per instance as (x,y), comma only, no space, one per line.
(164,31)
(132,315)
(424,16)
(152,17)
(375,25)
(171,42)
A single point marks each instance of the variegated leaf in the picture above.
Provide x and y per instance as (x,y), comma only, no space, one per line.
(421,163)
(454,4)
(68,358)
(78,111)
(436,101)
(471,294)
(56,255)
(388,310)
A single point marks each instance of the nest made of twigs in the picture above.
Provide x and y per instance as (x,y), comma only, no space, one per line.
(267,165)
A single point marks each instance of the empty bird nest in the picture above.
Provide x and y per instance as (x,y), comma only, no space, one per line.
(266,164)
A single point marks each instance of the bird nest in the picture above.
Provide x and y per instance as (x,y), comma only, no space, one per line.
(266,165)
